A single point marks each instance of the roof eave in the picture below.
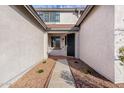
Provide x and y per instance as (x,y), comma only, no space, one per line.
(35,15)
(83,16)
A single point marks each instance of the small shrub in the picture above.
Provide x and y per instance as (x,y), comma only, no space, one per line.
(40,71)
(121,54)
(87,71)
(44,62)
(76,62)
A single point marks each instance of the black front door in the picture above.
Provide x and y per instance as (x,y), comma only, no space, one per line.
(71,44)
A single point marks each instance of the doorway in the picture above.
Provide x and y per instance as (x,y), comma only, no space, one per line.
(71,44)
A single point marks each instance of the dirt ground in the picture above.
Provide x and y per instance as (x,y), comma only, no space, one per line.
(35,79)
(85,77)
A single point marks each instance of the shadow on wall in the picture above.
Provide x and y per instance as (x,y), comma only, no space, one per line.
(23,12)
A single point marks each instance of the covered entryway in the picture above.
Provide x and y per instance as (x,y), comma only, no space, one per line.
(62,44)
(57,44)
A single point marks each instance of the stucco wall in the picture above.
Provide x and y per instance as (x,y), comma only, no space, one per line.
(97,40)
(21,42)
(77,45)
(45,45)
(68,18)
(119,42)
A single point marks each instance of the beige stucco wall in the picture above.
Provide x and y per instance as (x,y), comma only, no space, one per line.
(45,45)
(68,18)
(77,45)
(21,42)
(97,40)
(119,42)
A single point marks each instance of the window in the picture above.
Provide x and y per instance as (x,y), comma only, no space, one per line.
(55,42)
(54,17)
(50,16)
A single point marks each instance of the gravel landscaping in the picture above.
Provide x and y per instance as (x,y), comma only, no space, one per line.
(38,77)
(86,77)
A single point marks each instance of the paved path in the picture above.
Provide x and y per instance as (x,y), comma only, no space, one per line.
(61,77)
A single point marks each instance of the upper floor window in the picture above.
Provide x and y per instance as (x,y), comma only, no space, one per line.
(50,16)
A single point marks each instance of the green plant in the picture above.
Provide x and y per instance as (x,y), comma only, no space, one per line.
(87,71)
(40,71)
(121,54)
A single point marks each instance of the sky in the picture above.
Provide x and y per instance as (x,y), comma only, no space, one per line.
(59,6)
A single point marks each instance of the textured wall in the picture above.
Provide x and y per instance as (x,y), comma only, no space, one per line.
(45,45)
(119,42)
(97,40)
(68,18)
(77,45)
(21,42)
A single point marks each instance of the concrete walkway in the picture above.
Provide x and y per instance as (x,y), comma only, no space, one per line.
(61,77)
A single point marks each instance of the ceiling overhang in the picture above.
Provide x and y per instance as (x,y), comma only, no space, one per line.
(58,10)
(63,29)
(74,28)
